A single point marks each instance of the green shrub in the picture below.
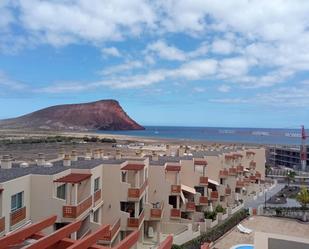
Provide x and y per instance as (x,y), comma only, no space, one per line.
(176,247)
(210,215)
(220,209)
(216,232)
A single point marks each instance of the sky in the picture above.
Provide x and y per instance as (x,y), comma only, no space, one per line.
(231,63)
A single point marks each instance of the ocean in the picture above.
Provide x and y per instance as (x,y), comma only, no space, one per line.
(218,134)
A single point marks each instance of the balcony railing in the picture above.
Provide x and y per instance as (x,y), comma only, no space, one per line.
(17,216)
(175,213)
(203,180)
(240,169)
(190,206)
(156,213)
(97,196)
(136,193)
(224,173)
(232,171)
(228,191)
(2,224)
(214,195)
(203,200)
(175,189)
(258,175)
(136,222)
(112,231)
(240,184)
(75,211)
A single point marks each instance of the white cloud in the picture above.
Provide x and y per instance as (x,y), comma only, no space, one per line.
(165,51)
(199,89)
(111,51)
(224,88)
(130,65)
(222,47)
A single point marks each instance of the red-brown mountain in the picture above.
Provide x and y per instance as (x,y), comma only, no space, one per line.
(99,115)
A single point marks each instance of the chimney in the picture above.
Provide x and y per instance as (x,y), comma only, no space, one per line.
(61,153)
(66,161)
(74,155)
(101,153)
(88,153)
(181,151)
(6,162)
(96,154)
(118,154)
(155,156)
(41,159)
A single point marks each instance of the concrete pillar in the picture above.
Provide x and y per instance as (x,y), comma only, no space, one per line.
(75,188)
(136,209)
(158,232)
(137,179)
(177,178)
(68,194)
(177,201)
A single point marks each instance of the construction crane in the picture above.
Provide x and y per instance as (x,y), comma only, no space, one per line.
(303,149)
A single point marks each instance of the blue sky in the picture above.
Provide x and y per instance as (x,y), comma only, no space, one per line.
(196,63)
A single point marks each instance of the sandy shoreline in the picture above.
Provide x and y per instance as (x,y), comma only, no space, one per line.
(119,138)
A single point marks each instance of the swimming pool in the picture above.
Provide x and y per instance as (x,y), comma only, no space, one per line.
(244,246)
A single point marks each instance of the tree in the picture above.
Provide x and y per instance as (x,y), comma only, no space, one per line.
(290,176)
(303,198)
(267,170)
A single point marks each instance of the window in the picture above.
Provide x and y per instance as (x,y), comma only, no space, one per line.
(17,201)
(61,191)
(123,176)
(96,184)
(96,216)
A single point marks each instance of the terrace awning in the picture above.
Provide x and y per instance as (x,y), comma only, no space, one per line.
(188,189)
(133,166)
(213,182)
(74,178)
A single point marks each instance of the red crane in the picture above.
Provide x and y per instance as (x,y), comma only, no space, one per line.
(303,149)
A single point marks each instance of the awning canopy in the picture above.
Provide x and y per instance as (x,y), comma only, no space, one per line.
(188,189)
(213,182)
(73,178)
(133,166)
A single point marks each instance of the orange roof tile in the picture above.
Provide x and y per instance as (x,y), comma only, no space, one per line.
(73,178)
(133,166)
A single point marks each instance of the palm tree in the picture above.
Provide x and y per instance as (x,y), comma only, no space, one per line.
(290,176)
(303,198)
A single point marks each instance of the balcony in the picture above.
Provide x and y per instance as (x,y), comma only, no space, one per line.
(136,193)
(240,169)
(2,224)
(136,222)
(240,184)
(17,216)
(97,197)
(258,175)
(232,171)
(252,179)
(203,181)
(190,207)
(156,213)
(112,231)
(175,213)
(203,200)
(175,189)
(223,173)
(228,191)
(214,195)
(75,211)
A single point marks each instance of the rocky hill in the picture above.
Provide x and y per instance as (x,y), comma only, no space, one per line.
(99,115)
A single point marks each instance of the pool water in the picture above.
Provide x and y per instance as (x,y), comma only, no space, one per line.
(243,247)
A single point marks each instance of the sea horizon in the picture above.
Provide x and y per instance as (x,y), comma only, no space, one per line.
(272,136)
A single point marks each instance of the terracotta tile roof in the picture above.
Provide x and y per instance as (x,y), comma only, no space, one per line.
(133,166)
(73,178)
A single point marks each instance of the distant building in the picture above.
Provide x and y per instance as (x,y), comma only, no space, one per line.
(287,156)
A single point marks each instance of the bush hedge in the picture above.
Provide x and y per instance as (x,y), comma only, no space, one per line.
(216,232)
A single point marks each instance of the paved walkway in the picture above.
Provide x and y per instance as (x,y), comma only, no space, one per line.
(261,199)
(263,224)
